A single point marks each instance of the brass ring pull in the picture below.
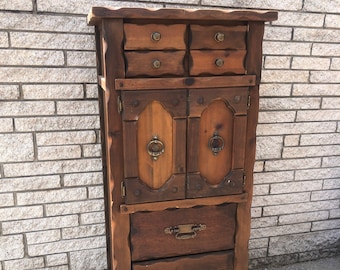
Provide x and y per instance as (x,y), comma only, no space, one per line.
(156,36)
(156,64)
(219,62)
(219,37)
(155,148)
(216,144)
(184,232)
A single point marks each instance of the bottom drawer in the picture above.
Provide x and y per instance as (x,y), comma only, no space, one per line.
(213,261)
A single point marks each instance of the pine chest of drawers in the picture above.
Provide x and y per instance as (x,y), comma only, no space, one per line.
(178,92)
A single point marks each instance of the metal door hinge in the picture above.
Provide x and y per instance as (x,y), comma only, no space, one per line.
(122,189)
(244,179)
(119,104)
(248,102)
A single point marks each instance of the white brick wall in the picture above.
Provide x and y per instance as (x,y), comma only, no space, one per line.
(51,191)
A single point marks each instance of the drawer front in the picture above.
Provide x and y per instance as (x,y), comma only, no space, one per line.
(212,261)
(154,64)
(218,37)
(155,37)
(178,232)
(217,62)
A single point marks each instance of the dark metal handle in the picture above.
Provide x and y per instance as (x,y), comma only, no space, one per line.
(184,232)
(155,148)
(216,144)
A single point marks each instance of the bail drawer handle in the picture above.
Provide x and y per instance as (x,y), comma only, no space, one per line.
(186,231)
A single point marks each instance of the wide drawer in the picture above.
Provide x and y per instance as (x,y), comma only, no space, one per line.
(217,62)
(154,37)
(218,37)
(214,261)
(176,232)
(154,63)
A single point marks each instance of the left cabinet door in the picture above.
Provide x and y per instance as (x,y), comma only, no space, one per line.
(154,135)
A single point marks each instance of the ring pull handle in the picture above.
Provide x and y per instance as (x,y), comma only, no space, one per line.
(155,148)
(156,64)
(216,144)
(156,36)
(186,231)
(219,37)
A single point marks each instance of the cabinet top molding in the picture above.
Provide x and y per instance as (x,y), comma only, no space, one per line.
(97,14)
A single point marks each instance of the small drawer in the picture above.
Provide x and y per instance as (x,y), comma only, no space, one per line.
(218,37)
(213,261)
(171,233)
(217,62)
(154,37)
(154,64)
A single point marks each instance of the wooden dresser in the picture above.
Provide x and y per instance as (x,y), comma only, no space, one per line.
(178,93)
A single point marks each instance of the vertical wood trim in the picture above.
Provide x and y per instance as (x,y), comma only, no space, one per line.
(239,142)
(130,149)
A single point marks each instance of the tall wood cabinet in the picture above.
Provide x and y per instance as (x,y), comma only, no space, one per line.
(178,92)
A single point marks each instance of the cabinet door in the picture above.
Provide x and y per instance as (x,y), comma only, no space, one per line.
(216,141)
(154,131)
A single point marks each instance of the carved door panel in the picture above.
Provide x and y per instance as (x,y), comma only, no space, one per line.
(216,141)
(154,130)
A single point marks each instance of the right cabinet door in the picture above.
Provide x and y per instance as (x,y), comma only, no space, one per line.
(216,141)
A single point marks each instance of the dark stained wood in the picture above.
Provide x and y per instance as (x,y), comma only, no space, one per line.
(213,261)
(147,231)
(239,141)
(180,144)
(187,82)
(139,37)
(130,149)
(141,63)
(99,13)
(203,37)
(180,204)
(192,144)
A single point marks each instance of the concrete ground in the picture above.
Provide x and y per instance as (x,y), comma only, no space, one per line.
(332,263)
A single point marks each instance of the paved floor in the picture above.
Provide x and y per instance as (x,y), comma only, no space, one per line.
(322,264)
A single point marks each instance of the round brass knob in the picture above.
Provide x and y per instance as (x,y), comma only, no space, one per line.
(156,64)
(156,36)
(219,62)
(219,37)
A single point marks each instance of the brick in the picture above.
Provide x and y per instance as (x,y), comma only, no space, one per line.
(296,187)
(11,247)
(52,91)
(27,108)
(281,198)
(258,243)
(8,92)
(92,91)
(29,183)
(269,147)
(303,242)
(271,90)
(24,5)
(88,259)
(74,207)
(259,166)
(66,138)
(330,103)
(83,231)
(59,152)
(313,151)
(295,128)
(85,59)
(259,190)
(295,208)
(332,21)
(331,184)
(334,213)
(26,263)
(325,77)
(57,123)
(320,139)
(39,224)
(323,6)
(289,103)
(274,261)
(325,195)
(277,116)
(292,140)
(31,58)
(16,147)
(96,192)
(6,199)
(300,19)
(285,76)
(265,4)
(263,222)
(324,49)
(316,35)
(278,33)
(273,177)
(92,218)
(316,89)
(277,62)
(43,236)
(83,179)
(280,230)
(292,164)
(318,115)
(4,43)
(92,150)
(303,217)
(310,63)
(50,196)
(14,213)
(56,259)
(66,246)
(47,75)
(286,48)
(335,64)
(77,107)
(256,212)
(317,174)
(257,253)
